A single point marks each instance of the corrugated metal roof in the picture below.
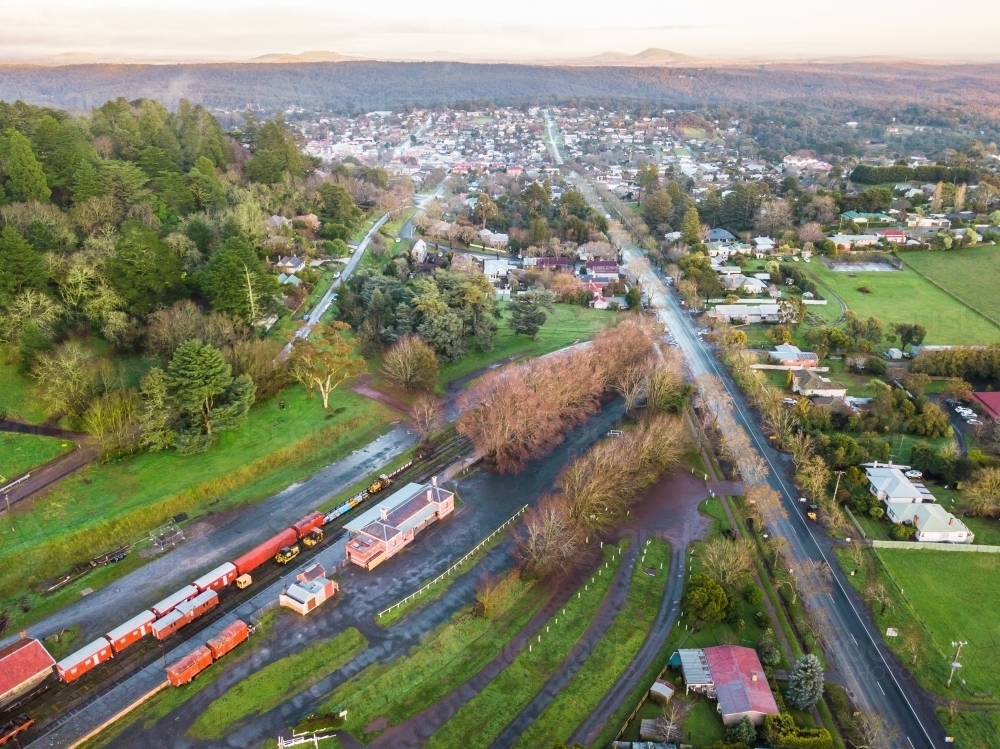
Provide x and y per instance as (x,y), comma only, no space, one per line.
(695,666)
(87,651)
(179,596)
(134,623)
(210,577)
(740,683)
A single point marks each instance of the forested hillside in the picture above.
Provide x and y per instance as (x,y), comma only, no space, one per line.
(379,85)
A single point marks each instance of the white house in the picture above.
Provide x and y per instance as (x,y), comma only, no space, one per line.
(810,384)
(754,286)
(934,524)
(496,270)
(749,313)
(850,241)
(419,251)
(888,483)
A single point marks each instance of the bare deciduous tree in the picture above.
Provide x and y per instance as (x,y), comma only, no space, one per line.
(670,726)
(873,732)
(727,562)
(427,417)
(411,363)
(765,504)
(877,592)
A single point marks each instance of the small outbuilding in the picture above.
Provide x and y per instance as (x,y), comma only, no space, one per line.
(24,664)
(733,676)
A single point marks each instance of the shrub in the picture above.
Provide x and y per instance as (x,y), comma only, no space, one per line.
(761,618)
(742,733)
(754,595)
(864,290)
(900,532)
(767,649)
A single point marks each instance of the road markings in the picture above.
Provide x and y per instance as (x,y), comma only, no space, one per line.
(880,688)
(855,640)
(911,743)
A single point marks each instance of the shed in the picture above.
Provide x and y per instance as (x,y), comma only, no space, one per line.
(990,401)
(661,692)
(23,665)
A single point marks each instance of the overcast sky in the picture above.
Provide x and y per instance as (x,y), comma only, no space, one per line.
(498,29)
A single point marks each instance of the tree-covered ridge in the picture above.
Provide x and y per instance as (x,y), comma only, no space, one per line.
(148,230)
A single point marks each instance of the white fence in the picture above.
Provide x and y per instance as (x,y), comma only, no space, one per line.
(980,548)
(455,566)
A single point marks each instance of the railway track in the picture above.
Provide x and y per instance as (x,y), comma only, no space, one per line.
(55,703)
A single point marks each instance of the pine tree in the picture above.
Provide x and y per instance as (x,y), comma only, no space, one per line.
(20,265)
(26,178)
(805,684)
(691,226)
(742,733)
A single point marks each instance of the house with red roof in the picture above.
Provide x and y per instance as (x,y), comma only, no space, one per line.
(732,676)
(990,401)
(23,665)
(387,528)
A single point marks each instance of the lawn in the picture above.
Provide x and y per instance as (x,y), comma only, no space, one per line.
(481,720)
(904,296)
(568,324)
(16,400)
(107,504)
(444,660)
(972,275)
(612,655)
(277,682)
(22,452)
(965,589)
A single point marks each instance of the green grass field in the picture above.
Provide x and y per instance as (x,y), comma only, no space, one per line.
(904,296)
(270,686)
(22,452)
(443,660)
(107,504)
(481,720)
(972,275)
(568,324)
(16,400)
(612,655)
(947,596)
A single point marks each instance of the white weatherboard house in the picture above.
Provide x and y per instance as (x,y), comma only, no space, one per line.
(888,483)
(934,524)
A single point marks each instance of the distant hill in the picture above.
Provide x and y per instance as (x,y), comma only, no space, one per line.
(368,85)
(651,56)
(284,57)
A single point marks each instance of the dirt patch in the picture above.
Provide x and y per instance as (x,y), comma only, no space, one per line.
(379,724)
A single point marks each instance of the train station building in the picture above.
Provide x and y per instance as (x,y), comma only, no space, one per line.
(385,529)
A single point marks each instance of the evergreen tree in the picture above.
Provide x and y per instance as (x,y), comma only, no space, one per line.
(742,732)
(237,283)
(26,179)
(86,182)
(144,270)
(20,265)
(805,684)
(156,418)
(767,649)
(445,332)
(526,315)
(691,227)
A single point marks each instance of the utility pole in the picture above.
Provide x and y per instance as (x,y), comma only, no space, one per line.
(837,485)
(955,665)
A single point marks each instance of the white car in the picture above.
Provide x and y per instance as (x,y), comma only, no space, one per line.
(913,475)
(973,422)
(963,410)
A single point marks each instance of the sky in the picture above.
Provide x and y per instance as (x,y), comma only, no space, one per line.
(506,29)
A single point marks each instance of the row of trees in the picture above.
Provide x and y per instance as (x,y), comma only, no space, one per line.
(522,411)
(594,492)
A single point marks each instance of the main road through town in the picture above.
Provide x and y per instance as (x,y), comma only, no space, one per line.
(874,678)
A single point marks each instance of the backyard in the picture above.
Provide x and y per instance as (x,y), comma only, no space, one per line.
(905,297)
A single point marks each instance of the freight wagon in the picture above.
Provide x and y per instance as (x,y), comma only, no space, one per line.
(131,631)
(265,551)
(192,664)
(171,602)
(307,524)
(184,614)
(15,727)
(228,639)
(217,579)
(188,667)
(75,665)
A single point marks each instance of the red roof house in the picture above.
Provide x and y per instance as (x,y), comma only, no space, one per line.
(23,665)
(740,684)
(990,401)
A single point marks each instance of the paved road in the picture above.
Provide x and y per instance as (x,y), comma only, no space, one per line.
(875,679)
